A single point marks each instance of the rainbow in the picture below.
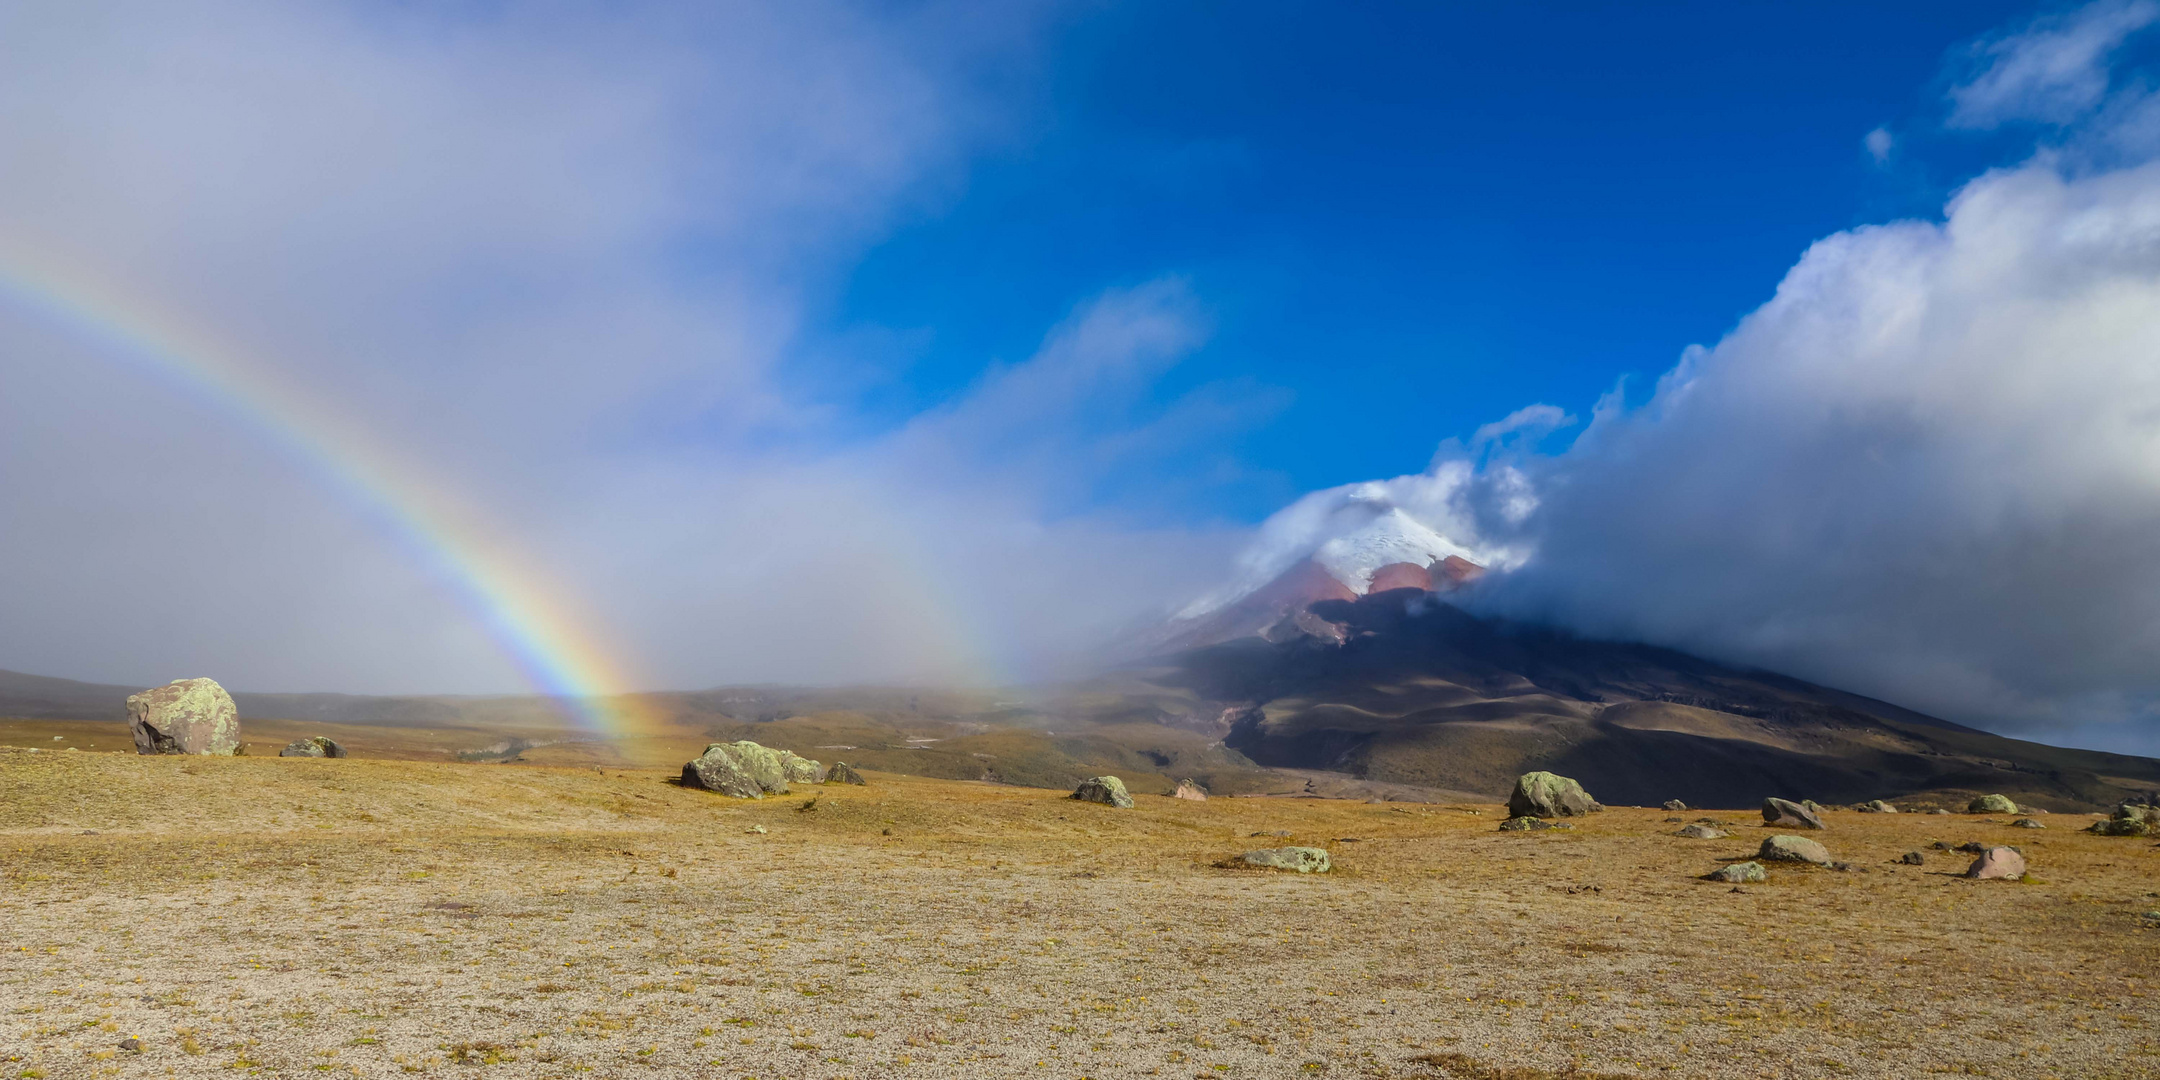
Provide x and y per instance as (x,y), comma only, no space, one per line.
(533,627)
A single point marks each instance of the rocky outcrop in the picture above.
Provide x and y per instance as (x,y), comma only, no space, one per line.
(1544,795)
(1997,863)
(1189,791)
(746,770)
(1789,814)
(1992,804)
(1746,873)
(843,773)
(1304,860)
(1794,849)
(314,746)
(1107,790)
(2129,819)
(185,716)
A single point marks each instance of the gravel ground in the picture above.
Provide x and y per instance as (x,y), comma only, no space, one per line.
(377,918)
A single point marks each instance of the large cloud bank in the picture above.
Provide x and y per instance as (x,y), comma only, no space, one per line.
(1928,468)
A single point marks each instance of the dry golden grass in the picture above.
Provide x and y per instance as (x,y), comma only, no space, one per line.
(380,918)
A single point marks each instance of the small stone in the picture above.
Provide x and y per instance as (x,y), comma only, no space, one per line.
(1913,858)
(843,773)
(2151,916)
(1107,790)
(1938,810)
(321,746)
(1523,824)
(1790,814)
(1304,860)
(1675,806)
(1794,849)
(1997,863)
(1877,806)
(1701,832)
(758,830)
(1746,873)
(1674,820)
(1189,791)
(1971,847)
(1992,804)
(131,1044)
(2026,823)
(1545,795)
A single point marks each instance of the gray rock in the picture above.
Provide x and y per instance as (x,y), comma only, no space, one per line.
(1746,873)
(1701,832)
(314,746)
(1107,790)
(1543,794)
(2129,819)
(843,773)
(1971,847)
(2026,823)
(1938,810)
(1304,860)
(1789,814)
(746,770)
(1992,804)
(185,716)
(1997,863)
(1189,791)
(1793,849)
(1877,806)
(1676,806)
(1913,858)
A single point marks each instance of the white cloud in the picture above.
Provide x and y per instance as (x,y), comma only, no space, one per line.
(1879,143)
(551,257)
(2053,71)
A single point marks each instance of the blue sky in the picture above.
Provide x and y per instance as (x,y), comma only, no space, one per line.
(1412,219)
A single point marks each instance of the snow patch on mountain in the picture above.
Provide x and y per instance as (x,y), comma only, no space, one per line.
(1393,537)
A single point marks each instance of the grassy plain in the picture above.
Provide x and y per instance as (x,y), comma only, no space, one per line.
(384,918)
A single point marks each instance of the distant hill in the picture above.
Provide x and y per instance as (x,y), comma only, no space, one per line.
(1403,687)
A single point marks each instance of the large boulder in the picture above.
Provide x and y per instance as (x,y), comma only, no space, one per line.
(1544,795)
(1794,849)
(1189,791)
(185,716)
(1790,814)
(1997,863)
(314,746)
(746,770)
(843,773)
(1107,790)
(1304,860)
(2129,819)
(1992,804)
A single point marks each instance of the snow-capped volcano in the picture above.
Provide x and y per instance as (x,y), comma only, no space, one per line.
(1393,537)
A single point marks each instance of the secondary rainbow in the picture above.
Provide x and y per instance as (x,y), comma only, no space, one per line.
(532,626)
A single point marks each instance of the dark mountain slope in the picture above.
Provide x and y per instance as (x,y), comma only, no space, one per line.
(1421,692)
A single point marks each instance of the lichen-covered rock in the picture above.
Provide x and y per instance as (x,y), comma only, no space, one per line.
(1992,804)
(1877,806)
(1107,790)
(1675,806)
(1794,849)
(1997,863)
(843,773)
(746,770)
(1544,795)
(316,746)
(185,716)
(1304,860)
(1745,873)
(2129,819)
(1789,814)
(1701,832)
(1189,791)
(1527,823)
